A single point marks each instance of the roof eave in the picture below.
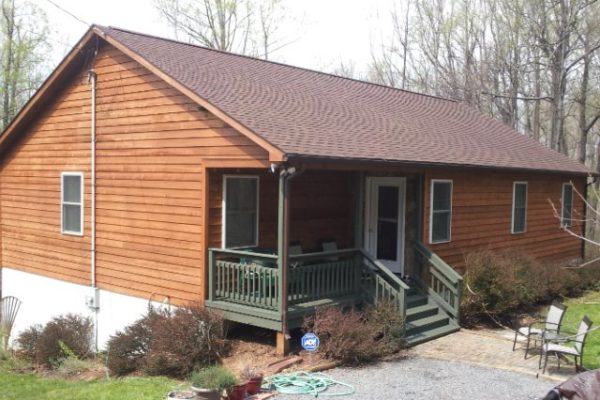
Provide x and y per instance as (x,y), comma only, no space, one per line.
(307,158)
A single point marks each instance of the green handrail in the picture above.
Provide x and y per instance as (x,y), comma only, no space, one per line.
(440,264)
(445,287)
(385,270)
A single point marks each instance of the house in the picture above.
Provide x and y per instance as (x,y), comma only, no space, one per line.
(147,170)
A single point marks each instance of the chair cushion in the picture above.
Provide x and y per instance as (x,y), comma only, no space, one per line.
(557,348)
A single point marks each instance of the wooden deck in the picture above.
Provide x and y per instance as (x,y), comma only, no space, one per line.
(246,286)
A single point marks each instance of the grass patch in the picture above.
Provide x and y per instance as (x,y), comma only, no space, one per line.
(30,386)
(588,304)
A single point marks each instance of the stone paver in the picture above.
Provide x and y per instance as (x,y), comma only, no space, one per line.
(491,348)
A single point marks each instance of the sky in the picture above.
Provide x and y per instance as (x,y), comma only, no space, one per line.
(321,33)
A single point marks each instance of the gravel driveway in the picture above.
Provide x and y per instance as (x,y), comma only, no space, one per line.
(422,378)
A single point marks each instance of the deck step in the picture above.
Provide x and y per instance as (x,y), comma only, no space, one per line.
(426,324)
(425,336)
(422,311)
(416,300)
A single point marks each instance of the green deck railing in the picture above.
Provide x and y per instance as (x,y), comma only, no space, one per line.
(383,284)
(331,274)
(252,279)
(441,282)
(243,277)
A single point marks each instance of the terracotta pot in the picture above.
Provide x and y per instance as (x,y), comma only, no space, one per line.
(206,394)
(253,385)
(238,392)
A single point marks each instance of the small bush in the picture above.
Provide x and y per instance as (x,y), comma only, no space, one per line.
(64,336)
(27,342)
(354,336)
(498,283)
(127,349)
(214,378)
(168,343)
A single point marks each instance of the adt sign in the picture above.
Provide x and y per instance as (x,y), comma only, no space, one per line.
(310,342)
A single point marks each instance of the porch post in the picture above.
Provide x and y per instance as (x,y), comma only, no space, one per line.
(282,259)
(359,212)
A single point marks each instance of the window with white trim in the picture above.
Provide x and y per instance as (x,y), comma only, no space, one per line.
(519,207)
(566,214)
(240,211)
(440,218)
(71,203)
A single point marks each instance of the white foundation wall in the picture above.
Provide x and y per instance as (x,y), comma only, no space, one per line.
(44,298)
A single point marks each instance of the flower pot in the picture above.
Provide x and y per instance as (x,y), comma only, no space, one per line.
(206,394)
(238,392)
(253,385)
(187,395)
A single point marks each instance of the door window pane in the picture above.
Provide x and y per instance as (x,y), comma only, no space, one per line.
(387,223)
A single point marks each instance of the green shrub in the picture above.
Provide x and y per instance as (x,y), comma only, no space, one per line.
(64,336)
(214,378)
(128,349)
(73,366)
(27,342)
(355,336)
(172,343)
(498,283)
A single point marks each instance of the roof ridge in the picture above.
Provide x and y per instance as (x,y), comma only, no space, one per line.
(278,63)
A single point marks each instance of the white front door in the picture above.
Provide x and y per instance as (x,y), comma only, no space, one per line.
(384,221)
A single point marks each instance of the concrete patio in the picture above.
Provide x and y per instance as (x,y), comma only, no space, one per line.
(492,349)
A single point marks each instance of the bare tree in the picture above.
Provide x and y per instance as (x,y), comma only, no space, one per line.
(243,26)
(23,54)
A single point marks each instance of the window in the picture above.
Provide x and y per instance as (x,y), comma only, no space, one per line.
(240,211)
(519,207)
(441,211)
(71,193)
(566,214)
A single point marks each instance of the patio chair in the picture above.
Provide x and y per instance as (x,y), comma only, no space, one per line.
(559,346)
(551,326)
(9,307)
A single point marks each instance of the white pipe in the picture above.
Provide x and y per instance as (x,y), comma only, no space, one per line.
(93,181)
(95,305)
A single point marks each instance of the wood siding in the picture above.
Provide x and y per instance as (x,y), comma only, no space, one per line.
(321,208)
(482,215)
(152,143)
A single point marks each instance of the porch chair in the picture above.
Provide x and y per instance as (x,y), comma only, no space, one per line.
(551,326)
(9,307)
(551,346)
(330,245)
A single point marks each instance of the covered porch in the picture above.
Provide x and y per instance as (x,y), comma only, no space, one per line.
(287,241)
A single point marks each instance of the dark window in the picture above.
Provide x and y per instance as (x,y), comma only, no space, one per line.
(441,211)
(241,211)
(519,212)
(567,205)
(72,203)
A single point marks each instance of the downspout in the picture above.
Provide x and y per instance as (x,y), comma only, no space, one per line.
(94,302)
(285,176)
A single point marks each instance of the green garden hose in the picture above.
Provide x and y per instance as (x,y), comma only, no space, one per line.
(306,383)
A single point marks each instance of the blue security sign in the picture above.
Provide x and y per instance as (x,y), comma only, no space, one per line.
(310,341)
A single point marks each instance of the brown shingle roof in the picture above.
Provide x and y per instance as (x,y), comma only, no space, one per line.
(312,114)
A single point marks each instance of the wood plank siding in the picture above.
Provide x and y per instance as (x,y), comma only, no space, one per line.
(482,212)
(321,208)
(152,146)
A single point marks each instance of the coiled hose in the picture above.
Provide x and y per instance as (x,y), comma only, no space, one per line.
(306,383)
